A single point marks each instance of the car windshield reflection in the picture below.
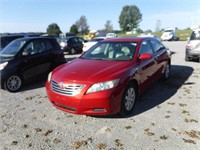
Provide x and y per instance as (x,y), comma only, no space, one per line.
(12,48)
(111,51)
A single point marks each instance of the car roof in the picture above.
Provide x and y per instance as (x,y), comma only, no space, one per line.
(11,35)
(127,39)
(40,37)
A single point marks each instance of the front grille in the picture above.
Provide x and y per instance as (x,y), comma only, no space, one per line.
(66,89)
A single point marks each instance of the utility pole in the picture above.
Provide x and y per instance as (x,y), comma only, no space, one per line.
(198,13)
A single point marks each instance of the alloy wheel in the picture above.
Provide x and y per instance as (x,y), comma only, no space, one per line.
(129,99)
(13,83)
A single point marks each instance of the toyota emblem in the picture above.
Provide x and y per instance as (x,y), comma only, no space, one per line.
(61,85)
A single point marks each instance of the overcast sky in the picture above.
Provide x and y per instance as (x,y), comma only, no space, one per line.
(36,15)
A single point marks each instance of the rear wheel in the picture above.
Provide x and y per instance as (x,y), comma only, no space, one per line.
(72,51)
(128,99)
(13,83)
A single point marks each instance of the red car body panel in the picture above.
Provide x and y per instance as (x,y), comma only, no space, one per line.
(88,72)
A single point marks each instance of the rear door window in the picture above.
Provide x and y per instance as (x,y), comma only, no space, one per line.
(36,46)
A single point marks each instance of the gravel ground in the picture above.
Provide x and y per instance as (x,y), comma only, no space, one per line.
(166,117)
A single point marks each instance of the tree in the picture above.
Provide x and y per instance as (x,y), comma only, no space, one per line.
(130,18)
(148,31)
(74,29)
(139,30)
(108,26)
(82,25)
(53,29)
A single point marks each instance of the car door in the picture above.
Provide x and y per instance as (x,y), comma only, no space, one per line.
(146,68)
(80,43)
(159,56)
(37,57)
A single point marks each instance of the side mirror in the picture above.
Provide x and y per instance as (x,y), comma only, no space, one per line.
(24,53)
(188,38)
(145,56)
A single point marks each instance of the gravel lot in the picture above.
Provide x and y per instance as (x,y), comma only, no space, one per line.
(166,117)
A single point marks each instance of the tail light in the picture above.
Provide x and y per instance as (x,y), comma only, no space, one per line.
(189,46)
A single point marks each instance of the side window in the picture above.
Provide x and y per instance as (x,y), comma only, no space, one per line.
(195,35)
(80,40)
(49,46)
(145,47)
(156,45)
(73,40)
(28,50)
(35,47)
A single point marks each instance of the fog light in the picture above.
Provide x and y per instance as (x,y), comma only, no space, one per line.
(99,110)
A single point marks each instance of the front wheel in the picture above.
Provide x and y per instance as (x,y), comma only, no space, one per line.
(128,99)
(72,51)
(167,72)
(13,83)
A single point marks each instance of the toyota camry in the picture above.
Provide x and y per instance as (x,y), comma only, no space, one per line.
(109,77)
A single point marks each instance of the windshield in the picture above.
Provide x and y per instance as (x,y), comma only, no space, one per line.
(111,51)
(168,31)
(11,49)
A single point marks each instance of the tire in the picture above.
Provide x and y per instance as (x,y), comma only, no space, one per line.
(72,51)
(186,58)
(128,99)
(13,83)
(167,72)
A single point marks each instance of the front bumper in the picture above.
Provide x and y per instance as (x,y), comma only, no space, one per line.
(100,103)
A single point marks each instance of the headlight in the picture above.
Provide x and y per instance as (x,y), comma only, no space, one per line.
(3,65)
(49,77)
(103,86)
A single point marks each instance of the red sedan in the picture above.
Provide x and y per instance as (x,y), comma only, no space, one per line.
(109,77)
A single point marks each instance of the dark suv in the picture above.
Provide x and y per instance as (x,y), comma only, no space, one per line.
(26,59)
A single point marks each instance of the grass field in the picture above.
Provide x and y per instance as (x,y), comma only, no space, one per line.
(182,34)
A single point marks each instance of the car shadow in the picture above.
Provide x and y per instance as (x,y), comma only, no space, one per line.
(161,91)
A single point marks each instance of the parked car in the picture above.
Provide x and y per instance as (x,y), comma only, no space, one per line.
(92,42)
(193,46)
(109,77)
(149,35)
(72,44)
(111,35)
(26,59)
(6,39)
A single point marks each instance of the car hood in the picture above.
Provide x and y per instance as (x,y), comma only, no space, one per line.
(5,59)
(91,71)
